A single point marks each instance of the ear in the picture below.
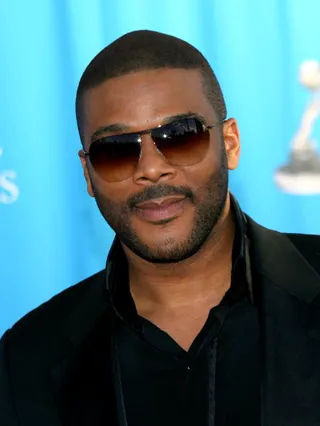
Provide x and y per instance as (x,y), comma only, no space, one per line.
(83,160)
(231,137)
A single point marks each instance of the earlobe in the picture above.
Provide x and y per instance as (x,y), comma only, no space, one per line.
(232,143)
(89,187)
(86,172)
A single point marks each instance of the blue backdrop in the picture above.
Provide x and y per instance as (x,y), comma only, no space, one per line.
(51,234)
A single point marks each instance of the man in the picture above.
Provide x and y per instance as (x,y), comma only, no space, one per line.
(201,317)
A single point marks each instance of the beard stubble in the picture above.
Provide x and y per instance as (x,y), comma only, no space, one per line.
(209,201)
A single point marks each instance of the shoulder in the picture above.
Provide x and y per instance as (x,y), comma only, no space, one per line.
(273,245)
(309,246)
(305,241)
(53,314)
(32,349)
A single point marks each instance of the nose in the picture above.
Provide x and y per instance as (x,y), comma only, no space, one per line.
(153,166)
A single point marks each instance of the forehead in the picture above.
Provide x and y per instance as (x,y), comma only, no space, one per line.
(143,99)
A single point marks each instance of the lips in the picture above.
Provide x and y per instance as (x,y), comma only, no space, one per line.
(161,209)
(159,203)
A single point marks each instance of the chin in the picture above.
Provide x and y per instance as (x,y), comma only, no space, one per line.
(165,233)
(167,242)
(163,241)
(164,247)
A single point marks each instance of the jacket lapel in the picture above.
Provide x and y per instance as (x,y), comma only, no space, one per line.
(83,379)
(287,295)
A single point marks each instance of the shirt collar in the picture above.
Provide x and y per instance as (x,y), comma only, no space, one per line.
(239,247)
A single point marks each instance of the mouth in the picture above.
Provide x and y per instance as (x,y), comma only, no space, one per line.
(161,209)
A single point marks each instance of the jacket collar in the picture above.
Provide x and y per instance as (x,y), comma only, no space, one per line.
(277,259)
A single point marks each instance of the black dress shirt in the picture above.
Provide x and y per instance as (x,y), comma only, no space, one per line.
(215,383)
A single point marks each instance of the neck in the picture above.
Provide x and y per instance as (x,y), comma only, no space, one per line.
(200,279)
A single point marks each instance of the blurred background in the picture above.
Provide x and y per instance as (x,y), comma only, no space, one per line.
(265,54)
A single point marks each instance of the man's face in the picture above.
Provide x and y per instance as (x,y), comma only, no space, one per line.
(187,201)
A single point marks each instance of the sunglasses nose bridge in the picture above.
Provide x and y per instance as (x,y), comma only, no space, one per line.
(151,161)
(148,144)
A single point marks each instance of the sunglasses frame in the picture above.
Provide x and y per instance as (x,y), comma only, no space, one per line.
(149,131)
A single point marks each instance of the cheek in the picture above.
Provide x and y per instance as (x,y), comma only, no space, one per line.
(198,175)
(112,208)
(116,192)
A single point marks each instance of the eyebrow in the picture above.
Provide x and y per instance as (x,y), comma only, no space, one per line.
(121,127)
(110,128)
(183,116)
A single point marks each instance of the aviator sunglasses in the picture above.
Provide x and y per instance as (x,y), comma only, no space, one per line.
(182,142)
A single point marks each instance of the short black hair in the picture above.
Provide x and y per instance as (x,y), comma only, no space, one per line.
(148,50)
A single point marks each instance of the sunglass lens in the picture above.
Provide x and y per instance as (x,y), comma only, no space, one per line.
(115,158)
(184,142)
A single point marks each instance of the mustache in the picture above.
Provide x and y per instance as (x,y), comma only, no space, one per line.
(152,192)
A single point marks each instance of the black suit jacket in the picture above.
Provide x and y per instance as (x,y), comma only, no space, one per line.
(56,366)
